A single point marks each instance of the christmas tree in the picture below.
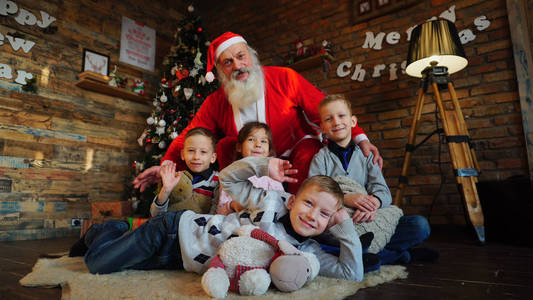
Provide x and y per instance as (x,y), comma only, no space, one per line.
(182,90)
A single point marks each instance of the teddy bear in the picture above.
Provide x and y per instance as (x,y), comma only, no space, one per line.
(248,263)
(183,197)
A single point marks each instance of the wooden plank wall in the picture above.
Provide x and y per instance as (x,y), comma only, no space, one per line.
(518,18)
(64,147)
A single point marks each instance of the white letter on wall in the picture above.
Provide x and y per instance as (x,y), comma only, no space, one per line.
(393,38)
(408,31)
(5,71)
(18,43)
(466,36)
(481,23)
(374,43)
(341,69)
(7,7)
(22,76)
(403,65)
(358,73)
(47,20)
(377,70)
(392,72)
(449,14)
(26,17)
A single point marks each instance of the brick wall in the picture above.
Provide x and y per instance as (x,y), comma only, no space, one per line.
(65,147)
(486,89)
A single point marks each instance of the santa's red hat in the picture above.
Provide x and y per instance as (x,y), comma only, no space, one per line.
(218,46)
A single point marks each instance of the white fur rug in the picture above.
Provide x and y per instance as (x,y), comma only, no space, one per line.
(77,283)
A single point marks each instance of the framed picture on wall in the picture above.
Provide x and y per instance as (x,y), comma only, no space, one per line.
(365,10)
(95,62)
(381,3)
(365,6)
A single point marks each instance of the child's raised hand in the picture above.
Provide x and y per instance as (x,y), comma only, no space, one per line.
(278,169)
(169,177)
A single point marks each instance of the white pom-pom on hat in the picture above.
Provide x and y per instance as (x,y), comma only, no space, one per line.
(209,76)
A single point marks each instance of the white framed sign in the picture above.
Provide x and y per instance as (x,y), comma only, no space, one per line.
(137,44)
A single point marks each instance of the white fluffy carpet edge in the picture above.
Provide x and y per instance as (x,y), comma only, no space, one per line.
(77,283)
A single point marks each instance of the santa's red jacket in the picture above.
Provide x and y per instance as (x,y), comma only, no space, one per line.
(287,94)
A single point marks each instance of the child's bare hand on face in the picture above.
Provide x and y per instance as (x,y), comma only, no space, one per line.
(338,217)
(278,169)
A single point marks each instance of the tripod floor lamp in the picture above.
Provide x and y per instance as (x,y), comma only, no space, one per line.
(435,52)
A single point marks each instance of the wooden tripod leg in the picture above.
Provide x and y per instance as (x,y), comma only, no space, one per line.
(461,158)
(411,141)
(462,123)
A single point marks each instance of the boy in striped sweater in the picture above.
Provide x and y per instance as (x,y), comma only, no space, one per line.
(199,156)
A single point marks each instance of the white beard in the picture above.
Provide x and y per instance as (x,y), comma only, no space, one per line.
(243,93)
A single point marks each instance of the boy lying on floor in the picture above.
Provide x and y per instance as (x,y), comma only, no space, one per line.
(186,240)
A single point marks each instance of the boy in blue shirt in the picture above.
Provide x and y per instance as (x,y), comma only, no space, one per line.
(342,157)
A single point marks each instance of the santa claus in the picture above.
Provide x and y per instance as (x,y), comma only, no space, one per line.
(277,96)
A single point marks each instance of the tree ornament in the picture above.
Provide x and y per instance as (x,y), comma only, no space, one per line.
(182,73)
(162,145)
(198,59)
(190,8)
(141,138)
(173,135)
(194,72)
(148,140)
(164,83)
(187,92)
(202,80)
(138,87)
(175,123)
(200,29)
(160,130)
(163,98)
(162,123)
(155,103)
(150,120)
(198,95)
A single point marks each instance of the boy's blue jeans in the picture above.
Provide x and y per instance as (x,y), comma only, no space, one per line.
(411,231)
(154,245)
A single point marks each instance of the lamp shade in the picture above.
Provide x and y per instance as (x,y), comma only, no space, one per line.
(435,41)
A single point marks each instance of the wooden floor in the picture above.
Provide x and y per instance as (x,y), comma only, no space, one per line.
(464,271)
